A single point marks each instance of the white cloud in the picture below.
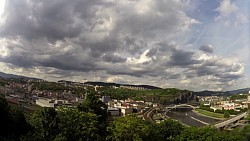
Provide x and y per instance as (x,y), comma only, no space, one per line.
(185,81)
(230,14)
(226,8)
(116,79)
(143,58)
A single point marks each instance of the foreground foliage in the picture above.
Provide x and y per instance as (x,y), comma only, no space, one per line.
(63,125)
(12,122)
(88,122)
(128,128)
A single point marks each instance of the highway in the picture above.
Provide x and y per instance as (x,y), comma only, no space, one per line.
(231,120)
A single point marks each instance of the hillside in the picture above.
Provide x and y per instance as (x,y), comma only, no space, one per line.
(222,93)
(13,76)
(118,85)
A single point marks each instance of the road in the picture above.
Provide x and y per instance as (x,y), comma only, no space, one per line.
(148,115)
(231,120)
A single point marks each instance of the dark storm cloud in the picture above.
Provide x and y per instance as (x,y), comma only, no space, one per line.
(171,75)
(86,26)
(64,62)
(182,58)
(201,71)
(19,60)
(152,52)
(113,58)
(152,22)
(68,63)
(207,48)
(107,45)
(54,20)
(133,45)
(220,70)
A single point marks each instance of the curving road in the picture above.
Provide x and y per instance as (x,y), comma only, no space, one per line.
(149,114)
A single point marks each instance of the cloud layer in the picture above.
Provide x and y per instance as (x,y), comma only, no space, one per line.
(122,41)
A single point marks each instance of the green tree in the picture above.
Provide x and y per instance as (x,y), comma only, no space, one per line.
(19,125)
(93,105)
(4,118)
(13,124)
(208,134)
(128,128)
(76,125)
(167,130)
(65,124)
(246,132)
(45,124)
(228,136)
(226,114)
(194,134)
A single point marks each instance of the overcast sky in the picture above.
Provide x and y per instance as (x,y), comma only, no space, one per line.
(188,44)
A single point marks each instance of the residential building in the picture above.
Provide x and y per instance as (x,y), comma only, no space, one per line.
(45,102)
(114,111)
(126,110)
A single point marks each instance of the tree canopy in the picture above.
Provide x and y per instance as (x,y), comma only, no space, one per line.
(12,122)
(128,128)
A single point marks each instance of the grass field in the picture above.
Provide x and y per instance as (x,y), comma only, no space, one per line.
(247,117)
(208,113)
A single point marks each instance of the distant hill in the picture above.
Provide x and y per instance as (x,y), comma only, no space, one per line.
(9,76)
(66,82)
(245,90)
(118,85)
(209,93)
(222,93)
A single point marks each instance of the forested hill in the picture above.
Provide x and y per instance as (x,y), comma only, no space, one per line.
(162,96)
(13,76)
(118,85)
(222,93)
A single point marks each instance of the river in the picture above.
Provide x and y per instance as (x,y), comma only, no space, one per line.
(188,117)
